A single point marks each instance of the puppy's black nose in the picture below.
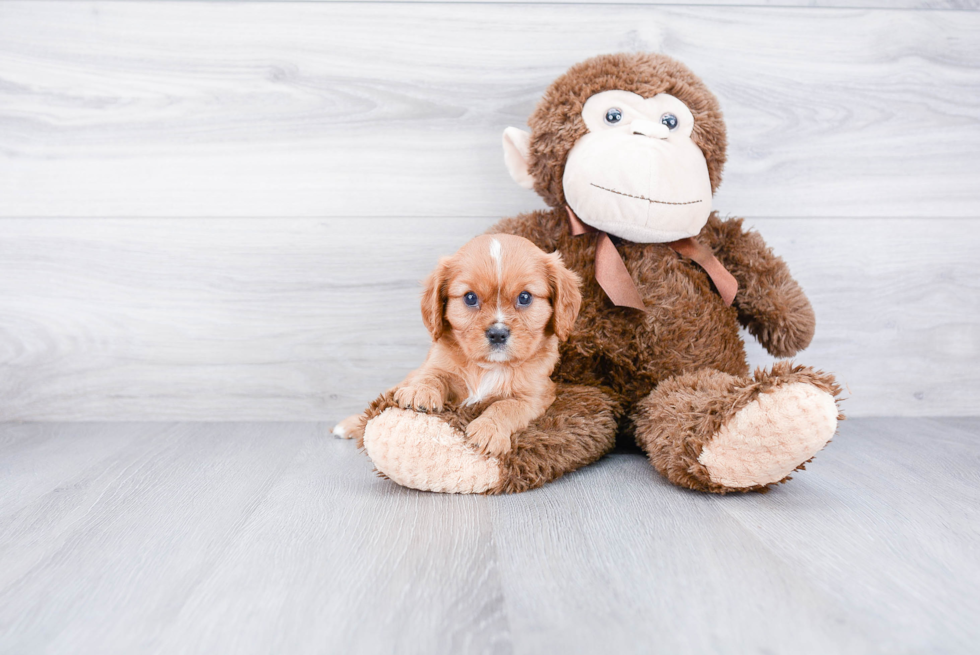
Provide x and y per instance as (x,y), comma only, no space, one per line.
(497,335)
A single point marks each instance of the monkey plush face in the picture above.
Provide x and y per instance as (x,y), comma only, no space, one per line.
(637,174)
(633,143)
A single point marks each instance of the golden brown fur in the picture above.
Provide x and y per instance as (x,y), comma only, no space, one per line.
(463,366)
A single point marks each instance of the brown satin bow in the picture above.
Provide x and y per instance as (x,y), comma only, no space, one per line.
(615,280)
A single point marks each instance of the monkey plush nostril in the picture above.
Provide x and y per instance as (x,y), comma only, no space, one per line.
(650,129)
(498,335)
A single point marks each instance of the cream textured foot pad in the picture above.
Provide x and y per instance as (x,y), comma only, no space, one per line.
(423,452)
(771,437)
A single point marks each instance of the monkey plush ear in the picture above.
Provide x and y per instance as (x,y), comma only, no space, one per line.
(516,148)
(566,299)
(434,297)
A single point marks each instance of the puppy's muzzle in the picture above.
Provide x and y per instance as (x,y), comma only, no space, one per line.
(497,335)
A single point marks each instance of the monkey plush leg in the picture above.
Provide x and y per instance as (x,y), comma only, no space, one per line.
(431,452)
(712,431)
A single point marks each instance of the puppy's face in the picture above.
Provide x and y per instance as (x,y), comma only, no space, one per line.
(501,297)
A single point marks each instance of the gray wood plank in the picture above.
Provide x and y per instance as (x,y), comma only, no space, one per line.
(363,566)
(325,109)
(271,538)
(131,538)
(953,5)
(306,319)
(37,460)
(898,509)
(287,518)
(967,427)
(614,559)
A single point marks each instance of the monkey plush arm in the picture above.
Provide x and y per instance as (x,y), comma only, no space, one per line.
(770,303)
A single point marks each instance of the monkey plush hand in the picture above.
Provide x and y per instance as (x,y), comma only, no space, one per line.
(627,150)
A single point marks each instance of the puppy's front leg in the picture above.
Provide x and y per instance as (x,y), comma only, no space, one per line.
(423,393)
(492,430)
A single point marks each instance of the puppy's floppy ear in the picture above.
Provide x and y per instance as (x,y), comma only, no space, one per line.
(434,298)
(566,298)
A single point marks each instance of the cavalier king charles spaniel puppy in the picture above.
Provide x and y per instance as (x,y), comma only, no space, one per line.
(496,310)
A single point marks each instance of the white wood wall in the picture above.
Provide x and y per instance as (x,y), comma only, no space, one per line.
(221,210)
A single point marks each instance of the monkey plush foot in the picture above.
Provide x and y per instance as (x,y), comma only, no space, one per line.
(423,451)
(716,432)
(431,452)
(771,436)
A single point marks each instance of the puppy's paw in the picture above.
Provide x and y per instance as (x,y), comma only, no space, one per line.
(488,437)
(420,397)
(351,427)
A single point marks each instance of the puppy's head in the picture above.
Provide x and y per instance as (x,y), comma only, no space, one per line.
(500,298)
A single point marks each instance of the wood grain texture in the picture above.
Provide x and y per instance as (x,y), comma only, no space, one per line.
(276,538)
(953,5)
(324,109)
(276,319)
(864,494)
(307,319)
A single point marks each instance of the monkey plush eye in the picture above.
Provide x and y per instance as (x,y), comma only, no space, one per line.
(669,120)
(613,116)
(470,299)
(524,299)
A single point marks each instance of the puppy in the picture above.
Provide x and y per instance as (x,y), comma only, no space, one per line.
(497,311)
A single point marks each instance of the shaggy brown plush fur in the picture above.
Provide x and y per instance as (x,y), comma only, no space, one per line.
(674,374)
(686,334)
(686,326)
(770,303)
(578,429)
(687,330)
(695,406)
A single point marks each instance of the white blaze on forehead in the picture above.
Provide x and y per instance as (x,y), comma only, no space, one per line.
(496,251)
(496,254)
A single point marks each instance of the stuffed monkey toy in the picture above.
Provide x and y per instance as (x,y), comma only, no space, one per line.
(627,150)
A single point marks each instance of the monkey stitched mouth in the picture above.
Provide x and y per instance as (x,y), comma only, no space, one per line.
(658,202)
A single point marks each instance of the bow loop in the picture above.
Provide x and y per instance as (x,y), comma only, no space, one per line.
(615,280)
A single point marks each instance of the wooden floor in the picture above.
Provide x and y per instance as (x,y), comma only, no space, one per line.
(277,538)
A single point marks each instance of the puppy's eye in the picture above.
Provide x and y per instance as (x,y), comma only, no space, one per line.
(524,299)
(470,299)
(613,116)
(669,120)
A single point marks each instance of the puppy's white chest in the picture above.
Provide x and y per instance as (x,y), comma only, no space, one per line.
(491,382)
